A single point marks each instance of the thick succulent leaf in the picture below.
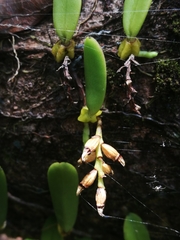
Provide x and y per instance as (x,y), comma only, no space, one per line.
(134,229)
(65,17)
(134,14)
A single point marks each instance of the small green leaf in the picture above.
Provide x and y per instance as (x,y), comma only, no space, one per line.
(147,54)
(134,229)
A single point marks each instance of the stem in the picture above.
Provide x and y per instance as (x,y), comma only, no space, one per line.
(100,182)
(86,132)
(98,167)
(98,163)
(99,127)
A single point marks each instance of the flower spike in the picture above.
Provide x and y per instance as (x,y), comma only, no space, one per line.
(93,151)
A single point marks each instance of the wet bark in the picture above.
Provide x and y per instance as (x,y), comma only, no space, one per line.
(39,107)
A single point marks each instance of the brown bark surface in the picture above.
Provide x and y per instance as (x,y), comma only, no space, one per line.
(39,107)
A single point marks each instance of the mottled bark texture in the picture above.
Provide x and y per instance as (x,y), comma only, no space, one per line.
(39,109)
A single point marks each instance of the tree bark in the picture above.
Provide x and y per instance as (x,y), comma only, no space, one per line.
(39,107)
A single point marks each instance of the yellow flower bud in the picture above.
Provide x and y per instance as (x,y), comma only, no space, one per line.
(79,161)
(100,200)
(92,143)
(79,190)
(90,146)
(112,153)
(88,158)
(107,169)
(87,181)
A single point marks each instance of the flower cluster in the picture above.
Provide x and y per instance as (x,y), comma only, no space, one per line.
(93,151)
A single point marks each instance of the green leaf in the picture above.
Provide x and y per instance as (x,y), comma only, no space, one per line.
(83,238)
(63,182)
(50,230)
(134,229)
(65,17)
(3,198)
(134,14)
(95,75)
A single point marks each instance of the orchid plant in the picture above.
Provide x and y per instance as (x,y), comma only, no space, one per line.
(134,15)
(65,18)
(94,147)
